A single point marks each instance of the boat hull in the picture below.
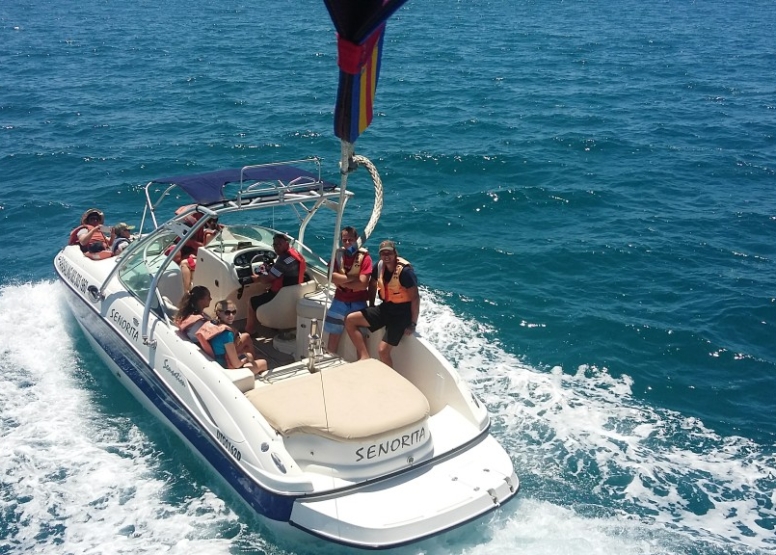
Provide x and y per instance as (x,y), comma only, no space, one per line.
(445,495)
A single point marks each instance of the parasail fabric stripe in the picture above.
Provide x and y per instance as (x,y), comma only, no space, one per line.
(359,73)
(368,87)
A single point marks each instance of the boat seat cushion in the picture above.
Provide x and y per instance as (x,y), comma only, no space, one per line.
(355,401)
(280,312)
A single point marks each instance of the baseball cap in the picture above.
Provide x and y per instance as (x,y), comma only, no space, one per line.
(122,227)
(387,246)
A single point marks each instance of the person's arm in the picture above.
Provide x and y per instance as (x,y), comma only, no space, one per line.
(211,232)
(232,359)
(340,279)
(266,279)
(357,283)
(372,291)
(361,282)
(85,238)
(372,287)
(414,308)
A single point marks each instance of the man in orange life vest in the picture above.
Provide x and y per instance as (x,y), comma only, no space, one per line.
(288,269)
(397,284)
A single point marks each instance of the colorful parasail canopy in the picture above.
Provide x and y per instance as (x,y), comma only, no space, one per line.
(360,25)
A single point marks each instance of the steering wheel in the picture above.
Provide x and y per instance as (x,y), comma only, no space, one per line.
(262,262)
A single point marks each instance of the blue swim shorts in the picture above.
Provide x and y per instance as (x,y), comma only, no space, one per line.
(335,317)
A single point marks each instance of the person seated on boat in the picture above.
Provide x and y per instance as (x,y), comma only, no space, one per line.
(191,311)
(289,269)
(187,257)
(351,273)
(91,235)
(397,284)
(122,235)
(222,340)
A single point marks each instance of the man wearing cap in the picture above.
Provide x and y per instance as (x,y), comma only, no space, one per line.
(289,269)
(121,237)
(394,279)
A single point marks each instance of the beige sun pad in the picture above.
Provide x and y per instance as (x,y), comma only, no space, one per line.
(350,402)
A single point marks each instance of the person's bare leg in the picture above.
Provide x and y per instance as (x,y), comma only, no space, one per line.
(352,323)
(258,366)
(251,322)
(188,276)
(245,345)
(384,351)
(333,345)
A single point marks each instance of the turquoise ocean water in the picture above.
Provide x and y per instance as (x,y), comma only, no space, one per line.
(586,188)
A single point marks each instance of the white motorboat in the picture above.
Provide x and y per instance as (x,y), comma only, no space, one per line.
(351,451)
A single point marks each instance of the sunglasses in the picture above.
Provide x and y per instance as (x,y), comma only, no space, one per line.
(229,312)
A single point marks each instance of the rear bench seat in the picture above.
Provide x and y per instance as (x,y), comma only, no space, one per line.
(355,401)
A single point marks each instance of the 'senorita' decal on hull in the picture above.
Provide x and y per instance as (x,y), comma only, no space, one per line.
(125,325)
(377,450)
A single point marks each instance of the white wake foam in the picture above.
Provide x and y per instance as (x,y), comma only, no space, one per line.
(637,478)
(73,480)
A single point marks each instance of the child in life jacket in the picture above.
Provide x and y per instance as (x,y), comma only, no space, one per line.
(222,342)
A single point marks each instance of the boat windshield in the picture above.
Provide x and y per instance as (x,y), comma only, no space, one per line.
(143,263)
(235,237)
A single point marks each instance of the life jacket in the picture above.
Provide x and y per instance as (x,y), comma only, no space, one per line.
(190,219)
(117,244)
(190,320)
(97,237)
(74,235)
(277,284)
(346,294)
(393,291)
(190,325)
(208,331)
(355,269)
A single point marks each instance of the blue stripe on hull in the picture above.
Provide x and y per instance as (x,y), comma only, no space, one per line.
(264,502)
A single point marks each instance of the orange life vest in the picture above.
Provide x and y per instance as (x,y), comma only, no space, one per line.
(393,291)
(190,320)
(277,284)
(97,237)
(208,331)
